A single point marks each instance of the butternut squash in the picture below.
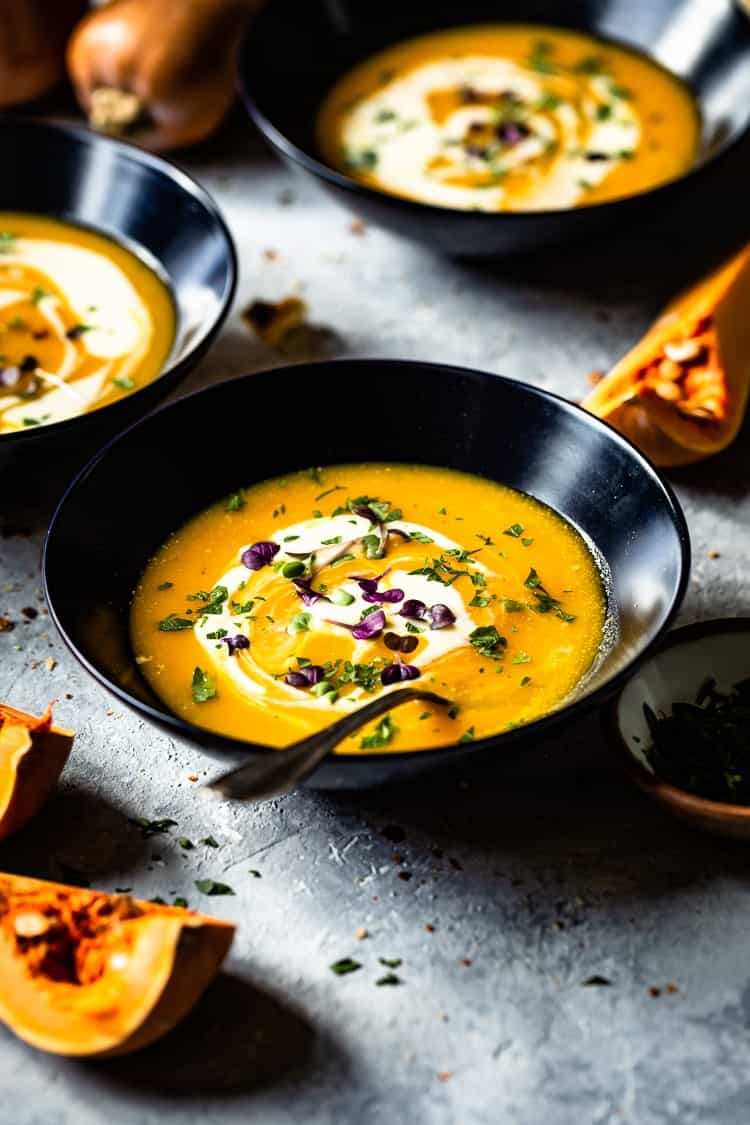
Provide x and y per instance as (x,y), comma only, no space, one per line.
(158,72)
(90,974)
(32,756)
(32,46)
(680,394)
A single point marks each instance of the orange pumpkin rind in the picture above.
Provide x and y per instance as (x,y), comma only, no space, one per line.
(88,974)
(680,394)
(33,753)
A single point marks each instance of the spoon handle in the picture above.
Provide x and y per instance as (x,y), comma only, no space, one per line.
(283,770)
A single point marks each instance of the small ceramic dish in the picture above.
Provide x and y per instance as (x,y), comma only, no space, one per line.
(718,650)
(155,210)
(285,76)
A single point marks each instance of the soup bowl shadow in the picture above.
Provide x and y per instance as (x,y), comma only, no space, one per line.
(152,208)
(151,479)
(284,79)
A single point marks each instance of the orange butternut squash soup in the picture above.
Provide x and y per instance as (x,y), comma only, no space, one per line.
(282,607)
(83,322)
(509,118)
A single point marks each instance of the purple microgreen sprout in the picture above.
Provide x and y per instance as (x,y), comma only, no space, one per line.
(259,555)
(236,643)
(398,672)
(440,616)
(413,609)
(304,677)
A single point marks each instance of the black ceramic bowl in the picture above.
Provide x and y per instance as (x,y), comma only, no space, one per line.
(150,206)
(148,481)
(294,53)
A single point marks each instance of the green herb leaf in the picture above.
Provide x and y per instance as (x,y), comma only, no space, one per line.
(124,382)
(300,623)
(7,242)
(181,902)
(210,842)
(344,966)
(152,827)
(389,978)
(381,736)
(211,887)
(203,687)
(420,537)
(185,844)
(165,586)
(467,736)
(340,561)
(521,657)
(235,502)
(526,680)
(488,642)
(391,962)
(511,606)
(540,57)
(515,530)
(173,624)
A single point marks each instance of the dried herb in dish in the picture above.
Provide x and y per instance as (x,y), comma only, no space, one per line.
(704,747)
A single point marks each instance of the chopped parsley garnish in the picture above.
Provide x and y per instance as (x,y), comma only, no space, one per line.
(545,603)
(330,542)
(217,635)
(480,601)
(181,902)
(243,607)
(548,101)
(384,115)
(526,680)
(210,842)
(540,57)
(603,112)
(511,606)
(124,382)
(165,586)
(344,966)
(618,91)
(363,158)
(7,242)
(488,642)
(412,628)
(488,542)
(453,711)
(38,293)
(315,473)
(527,542)
(211,887)
(340,561)
(389,978)
(391,962)
(173,624)
(515,530)
(152,827)
(300,623)
(467,736)
(373,547)
(77,330)
(328,491)
(590,64)
(521,658)
(381,736)
(214,600)
(420,537)
(235,502)
(203,686)
(185,844)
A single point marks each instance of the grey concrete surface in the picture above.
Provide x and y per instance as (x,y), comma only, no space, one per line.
(502,891)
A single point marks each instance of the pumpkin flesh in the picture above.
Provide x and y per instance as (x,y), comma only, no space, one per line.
(32,755)
(680,394)
(90,974)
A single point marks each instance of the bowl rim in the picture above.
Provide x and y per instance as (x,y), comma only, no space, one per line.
(516,735)
(651,783)
(172,371)
(338,179)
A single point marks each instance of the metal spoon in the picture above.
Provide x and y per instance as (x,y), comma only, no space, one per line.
(280,772)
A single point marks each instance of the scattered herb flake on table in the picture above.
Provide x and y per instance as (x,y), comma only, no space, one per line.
(344,966)
(211,887)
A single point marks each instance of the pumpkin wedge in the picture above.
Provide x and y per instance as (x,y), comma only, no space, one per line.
(32,755)
(90,974)
(680,394)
